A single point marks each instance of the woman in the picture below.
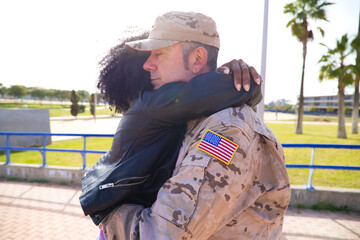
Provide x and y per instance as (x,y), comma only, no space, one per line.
(146,144)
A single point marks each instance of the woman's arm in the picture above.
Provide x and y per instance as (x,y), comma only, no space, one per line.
(243,73)
(205,94)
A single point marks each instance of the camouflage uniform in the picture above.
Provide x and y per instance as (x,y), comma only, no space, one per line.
(174,27)
(208,199)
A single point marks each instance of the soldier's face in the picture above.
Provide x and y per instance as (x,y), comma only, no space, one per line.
(167,65)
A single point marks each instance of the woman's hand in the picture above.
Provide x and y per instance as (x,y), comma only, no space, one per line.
(241,73)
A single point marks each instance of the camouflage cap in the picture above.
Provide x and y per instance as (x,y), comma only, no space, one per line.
(174,27)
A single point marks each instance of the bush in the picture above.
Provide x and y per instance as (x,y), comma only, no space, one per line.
(330,109)
(347,110)
(312,108)
(92,104)
(81,108)
(74,109)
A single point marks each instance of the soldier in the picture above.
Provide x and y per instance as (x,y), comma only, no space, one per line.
(230,180)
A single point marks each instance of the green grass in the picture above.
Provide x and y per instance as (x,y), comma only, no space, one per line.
(312,134)
(284,132)
(320,134)
(317,118)
(32,105)
(56,110)
(329,206)
(61,158)
(66,112)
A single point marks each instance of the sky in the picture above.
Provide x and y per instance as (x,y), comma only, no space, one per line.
(58,44)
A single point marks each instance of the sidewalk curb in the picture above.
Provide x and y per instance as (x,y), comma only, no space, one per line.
(344,198)
(84,117)
(53,174)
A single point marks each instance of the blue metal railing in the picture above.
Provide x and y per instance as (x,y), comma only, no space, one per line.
(311,166)
(7,149)
(44,149)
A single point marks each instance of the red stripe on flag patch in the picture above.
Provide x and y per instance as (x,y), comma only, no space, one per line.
(217,146)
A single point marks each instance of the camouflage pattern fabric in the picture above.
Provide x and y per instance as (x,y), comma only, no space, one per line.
(208,199)
(174,27)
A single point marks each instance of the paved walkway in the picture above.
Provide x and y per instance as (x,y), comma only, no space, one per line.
(102,125)
(42,211)
(108,125)
(32,211)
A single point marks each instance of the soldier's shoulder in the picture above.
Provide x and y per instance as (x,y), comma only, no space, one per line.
(243,117)
(239,116)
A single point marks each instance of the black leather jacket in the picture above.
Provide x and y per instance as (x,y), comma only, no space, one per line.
(147,141)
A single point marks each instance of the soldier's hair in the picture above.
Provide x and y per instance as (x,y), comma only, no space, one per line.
(122,76)
(212,52)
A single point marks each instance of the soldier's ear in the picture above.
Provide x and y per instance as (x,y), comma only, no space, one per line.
(199,60)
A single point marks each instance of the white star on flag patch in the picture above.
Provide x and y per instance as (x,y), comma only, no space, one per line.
(217,146)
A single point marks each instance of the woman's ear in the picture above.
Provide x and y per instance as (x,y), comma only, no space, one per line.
(199,60)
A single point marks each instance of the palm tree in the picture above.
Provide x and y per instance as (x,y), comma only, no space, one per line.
(302,11)
(355,113)
(334,68)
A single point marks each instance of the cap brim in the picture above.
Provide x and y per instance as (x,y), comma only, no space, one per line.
(150,44)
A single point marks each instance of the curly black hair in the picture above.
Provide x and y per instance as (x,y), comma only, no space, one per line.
(122,76)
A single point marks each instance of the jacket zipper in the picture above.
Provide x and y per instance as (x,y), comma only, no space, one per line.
(116,184)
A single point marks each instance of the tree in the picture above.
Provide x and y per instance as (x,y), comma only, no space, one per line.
(335,68)
(302,11)
(38,93)
(347,110)
(17,91)
(92,105)
(282,102)
(50,93)
(330,109)
(61,94)
(57,94)
(83,95)
(2,90)
(64,94)
(312,108)
(74,109)
(356,69)
(280,105)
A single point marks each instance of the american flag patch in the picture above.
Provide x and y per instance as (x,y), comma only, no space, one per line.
(217,146)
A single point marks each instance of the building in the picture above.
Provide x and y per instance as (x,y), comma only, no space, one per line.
(327,103)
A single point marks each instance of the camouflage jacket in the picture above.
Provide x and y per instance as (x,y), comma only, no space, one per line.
(208,199)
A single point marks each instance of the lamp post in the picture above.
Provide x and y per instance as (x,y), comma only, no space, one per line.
(260,107)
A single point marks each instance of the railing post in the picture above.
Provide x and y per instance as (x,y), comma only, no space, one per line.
(43,152)
(7,151)
(83,154)
(311,171)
